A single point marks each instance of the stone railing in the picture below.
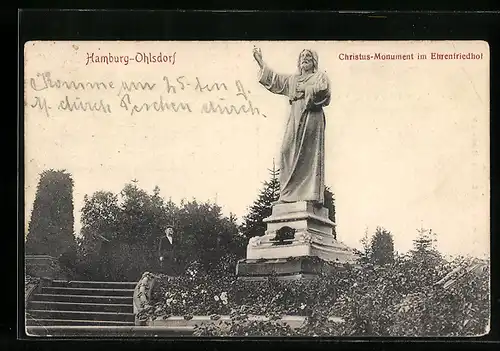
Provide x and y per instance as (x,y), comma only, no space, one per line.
(142,298)
(31,285)
(43,266)
(292,321)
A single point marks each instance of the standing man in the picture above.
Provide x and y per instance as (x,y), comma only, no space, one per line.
(166,252)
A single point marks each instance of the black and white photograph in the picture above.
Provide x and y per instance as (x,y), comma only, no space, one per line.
(257,188)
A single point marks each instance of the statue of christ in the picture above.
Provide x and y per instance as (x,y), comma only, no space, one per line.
(302,160)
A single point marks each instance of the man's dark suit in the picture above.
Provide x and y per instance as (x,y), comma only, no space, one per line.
(167,251)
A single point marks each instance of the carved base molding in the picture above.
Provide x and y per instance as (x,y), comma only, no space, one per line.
(312,235)
(281,268)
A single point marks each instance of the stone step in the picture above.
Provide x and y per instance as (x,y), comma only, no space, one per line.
(93,284)
(108,331)
(42,323)
(80,315)
(83,298)
(87,291)
(72,306)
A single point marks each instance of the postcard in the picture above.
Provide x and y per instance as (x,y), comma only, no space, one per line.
(256,188)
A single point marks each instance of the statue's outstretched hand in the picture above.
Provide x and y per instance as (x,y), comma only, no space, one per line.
(257,54)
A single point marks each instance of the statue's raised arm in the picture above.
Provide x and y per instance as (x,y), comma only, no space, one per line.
(272,81)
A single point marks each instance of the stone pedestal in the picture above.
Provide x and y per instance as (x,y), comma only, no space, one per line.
(305,267)
(310,235)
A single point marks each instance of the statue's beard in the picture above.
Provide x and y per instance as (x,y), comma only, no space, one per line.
(306,67)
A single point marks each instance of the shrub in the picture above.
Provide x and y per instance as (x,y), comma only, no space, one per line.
(120,234)
(397,299)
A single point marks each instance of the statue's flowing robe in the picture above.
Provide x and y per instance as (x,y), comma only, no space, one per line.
(302,162)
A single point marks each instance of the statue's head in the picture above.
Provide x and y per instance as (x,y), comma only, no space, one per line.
(308,61)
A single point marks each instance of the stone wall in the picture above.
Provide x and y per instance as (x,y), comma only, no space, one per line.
(43,266)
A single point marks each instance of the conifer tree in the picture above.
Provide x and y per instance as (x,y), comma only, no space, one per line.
(50,231)
(330,205)
(366,253)
(253,224)
(382,247)
(424,249)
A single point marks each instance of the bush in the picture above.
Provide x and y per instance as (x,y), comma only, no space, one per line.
(219,294)
(402,299)
(460,309)
(397,299)
(120,234)
(241,325)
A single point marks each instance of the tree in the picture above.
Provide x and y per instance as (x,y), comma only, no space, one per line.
(424,260)
(99,231)
(364,256)
(120,232)
(50,230)
(424,249)
(382,247)
(330,205)
(232,246)
(119,236)
(205,235)
(100,214)
(253,222)
(140,216)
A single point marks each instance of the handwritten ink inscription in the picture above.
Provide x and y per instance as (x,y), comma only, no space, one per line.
(41,104)
(170,95)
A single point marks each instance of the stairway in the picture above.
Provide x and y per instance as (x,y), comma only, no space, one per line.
(81,303)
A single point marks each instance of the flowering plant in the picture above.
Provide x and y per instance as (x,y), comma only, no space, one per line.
(397,299)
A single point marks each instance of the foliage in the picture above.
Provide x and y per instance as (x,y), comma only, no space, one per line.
(50,230)
(120,234)
(382,247)
(424,249)
(99,226)
(253,224)
(141,219)
(240,324)
(208,294)
(400,300)
(364,255)
(377,249)
(395,299)
(329,201)
(205,235)
(458,305)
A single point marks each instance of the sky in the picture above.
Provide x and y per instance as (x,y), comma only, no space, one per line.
(407,142)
